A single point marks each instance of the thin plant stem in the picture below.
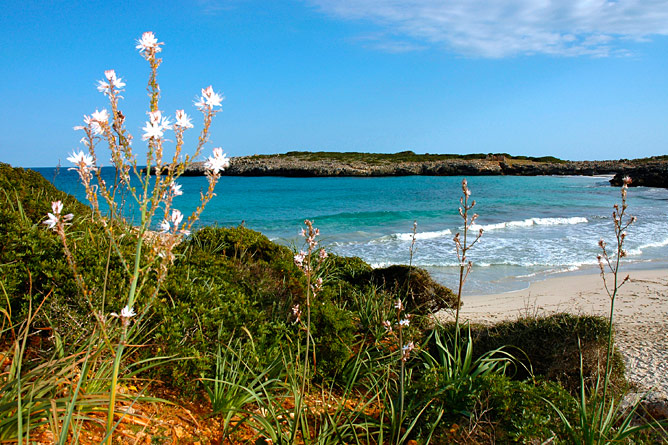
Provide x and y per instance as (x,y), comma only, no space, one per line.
(463,247)
(150,198)
(402,377)
(620,234)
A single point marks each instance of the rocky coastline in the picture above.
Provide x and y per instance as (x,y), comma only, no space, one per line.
(652,172)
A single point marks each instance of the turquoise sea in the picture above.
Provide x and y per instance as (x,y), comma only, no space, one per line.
(535,227)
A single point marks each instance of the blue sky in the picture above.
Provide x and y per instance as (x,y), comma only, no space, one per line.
(584,79)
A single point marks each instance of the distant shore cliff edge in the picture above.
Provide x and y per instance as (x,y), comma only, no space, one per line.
(651,172)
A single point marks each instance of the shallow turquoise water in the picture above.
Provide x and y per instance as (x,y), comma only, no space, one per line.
(534,226)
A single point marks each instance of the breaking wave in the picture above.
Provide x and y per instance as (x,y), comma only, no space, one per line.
(531,222)
(421,235)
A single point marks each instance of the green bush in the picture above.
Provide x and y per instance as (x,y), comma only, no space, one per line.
(32,261)
(227,281)
(421,294)
(550,347)
(333,333)
(510,411)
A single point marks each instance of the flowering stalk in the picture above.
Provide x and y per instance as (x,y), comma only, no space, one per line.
(150,196)
(462,246)
(56,221)
(621,223)
(403,322)
(304,260)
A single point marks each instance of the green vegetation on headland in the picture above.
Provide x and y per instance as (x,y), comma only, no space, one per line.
(226,311)
(651,172)
(403,156)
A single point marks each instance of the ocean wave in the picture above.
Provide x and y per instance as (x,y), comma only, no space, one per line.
(638,250)
(557,270)
(531,222)
(545,267)
(382,264)
(421,235)
(655,244)
(409,236)
(573,263)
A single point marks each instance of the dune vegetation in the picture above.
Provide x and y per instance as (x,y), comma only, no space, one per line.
(153,331)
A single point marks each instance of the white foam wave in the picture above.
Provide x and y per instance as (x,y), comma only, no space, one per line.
(421,235)
(639,250)
(663,243)
(552,271)
(566,265)
(531,222)
(381,264)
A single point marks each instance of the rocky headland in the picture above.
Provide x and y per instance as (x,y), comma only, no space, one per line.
(651,172)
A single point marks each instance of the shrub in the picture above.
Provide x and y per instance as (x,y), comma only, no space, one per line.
(333,334)
(510,411)
(421,293)
(32,263)
(226,280)
(550,346)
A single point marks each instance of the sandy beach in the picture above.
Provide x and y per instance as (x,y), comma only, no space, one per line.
(641,316)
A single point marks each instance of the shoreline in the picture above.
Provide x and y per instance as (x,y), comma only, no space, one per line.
(640,318)
(510,283)
(576,292)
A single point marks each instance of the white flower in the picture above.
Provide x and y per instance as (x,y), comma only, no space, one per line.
(299,258)
(87,121)
(177,217)
(151,130)
(100,116)
(54,218)
(165,226)
(82,160)
(399,305)
(175,189)
(57,207)
(51,221)
(94,121)
(148,43)
(127,312)
(387,325)
(405,322)
(297,313)
(156,125)
(182,120)
(323,254)
(113,82)
(406,350)
(209,99)
(218,161)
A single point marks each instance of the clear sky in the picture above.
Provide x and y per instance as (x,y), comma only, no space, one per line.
(578,79)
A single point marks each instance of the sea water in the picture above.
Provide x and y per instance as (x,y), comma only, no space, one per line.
(533,227)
